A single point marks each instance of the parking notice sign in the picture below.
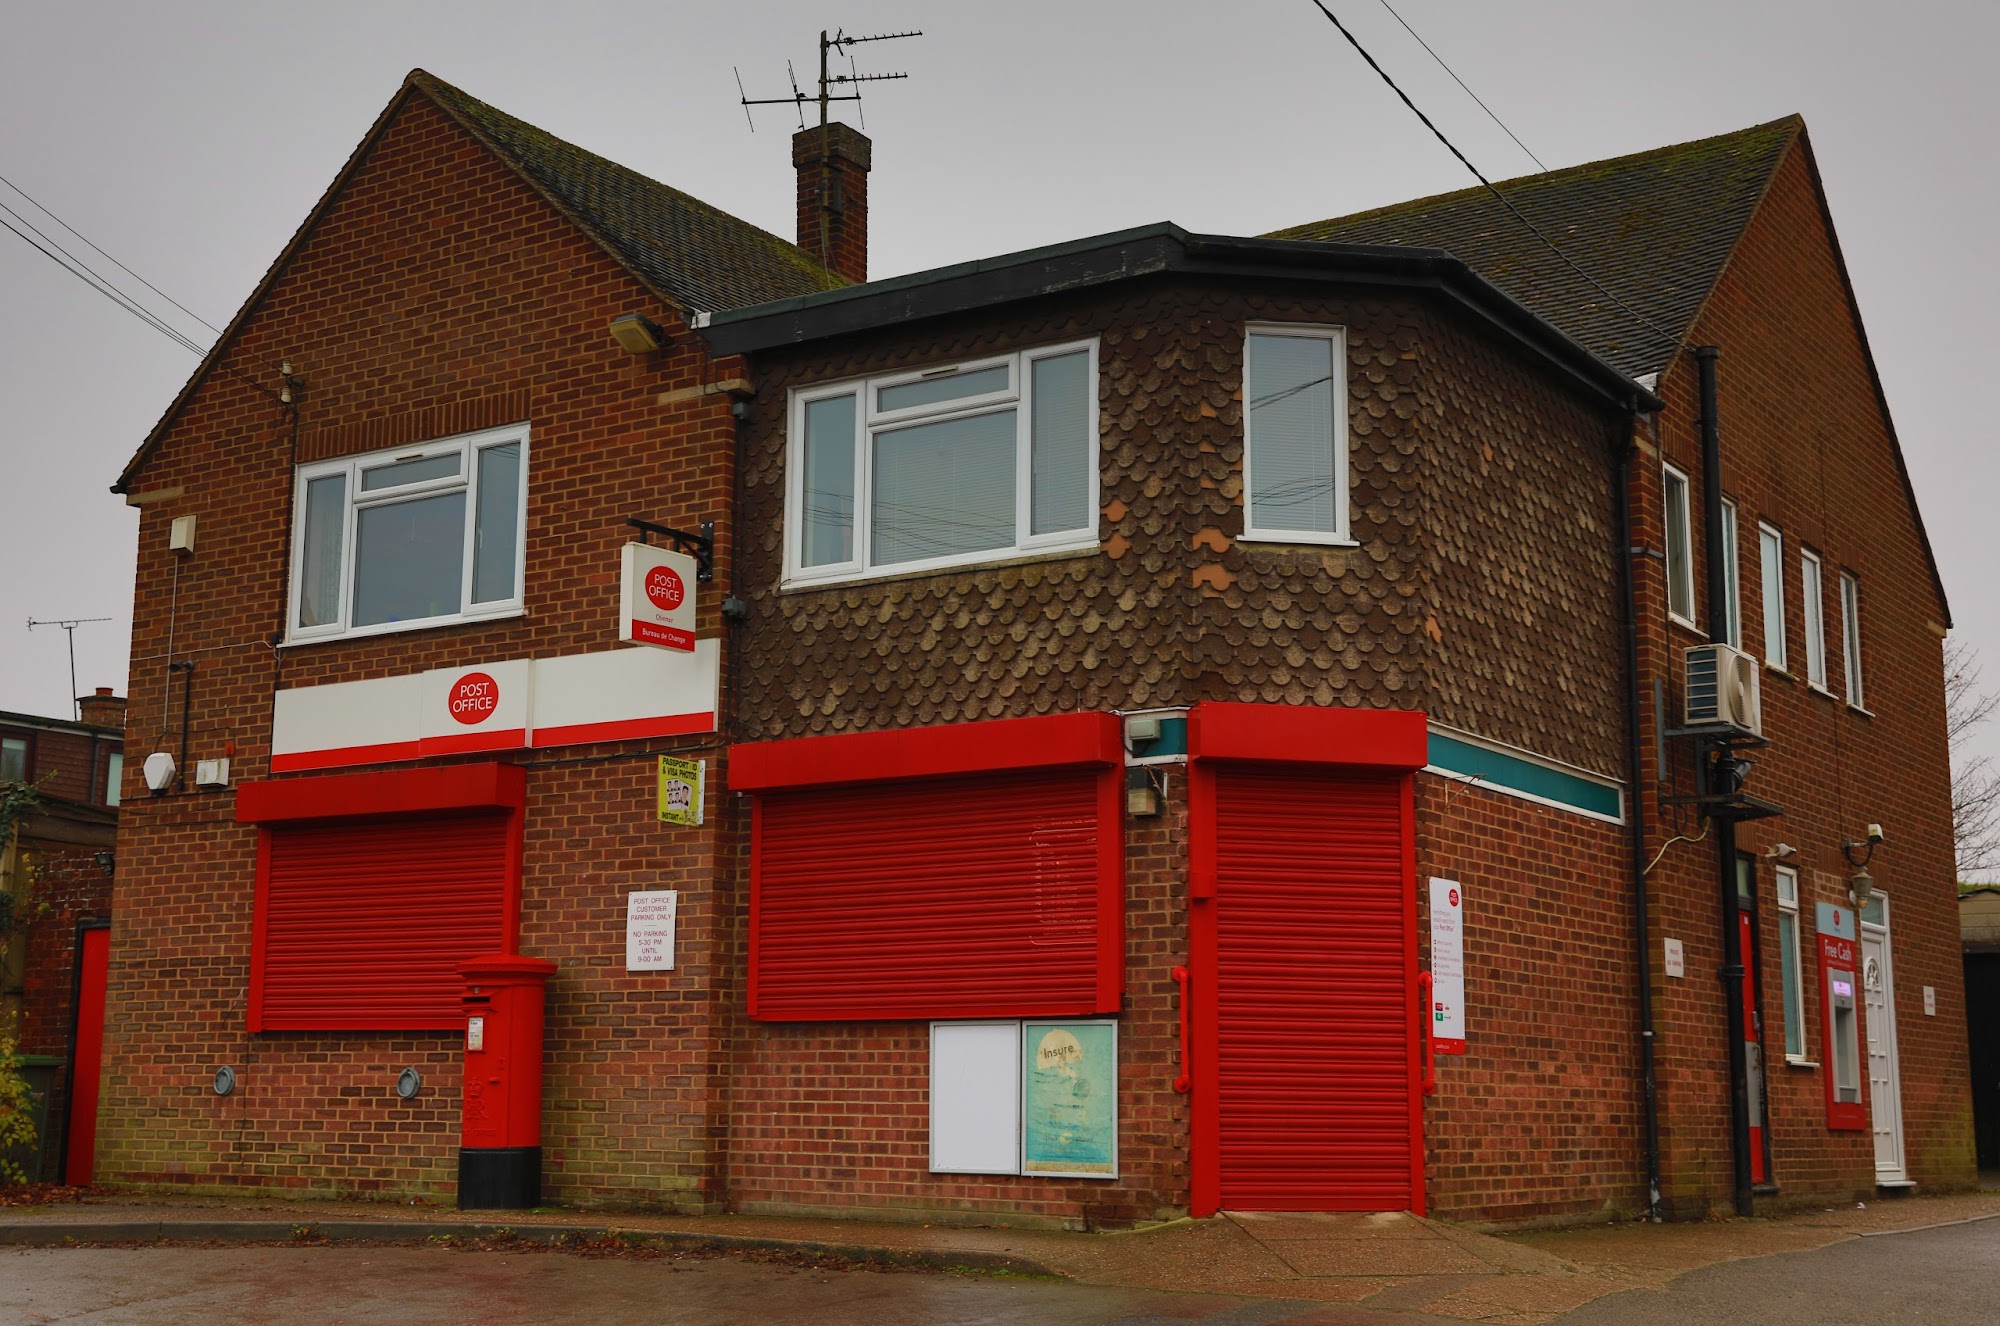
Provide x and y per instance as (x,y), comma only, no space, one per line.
(1447,1010)
(681,786)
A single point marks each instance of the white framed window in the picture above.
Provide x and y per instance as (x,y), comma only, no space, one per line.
(410,537)
(1295,433)
(1680,545)
(1771,549)
(1732,579)
(114,776)
(1813,592)
(1850,637)
(1790,977)
(947,466)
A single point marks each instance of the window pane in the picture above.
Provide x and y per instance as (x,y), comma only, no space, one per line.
(1850,632)
(409,471)
(1815,620)
(1732,603)
(827,512)
(1680,568)
(1773,546)
(114,777)
(496,535)
(931,391)
(319,550)
(1061,447)
(13,759)
(944,488)
(409,560)
(1788,964)
(1290,433)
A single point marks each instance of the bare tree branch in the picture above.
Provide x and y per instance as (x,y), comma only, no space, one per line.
(1975,782)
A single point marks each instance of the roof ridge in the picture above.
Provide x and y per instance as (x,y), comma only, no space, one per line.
(430,82)
(1561,174)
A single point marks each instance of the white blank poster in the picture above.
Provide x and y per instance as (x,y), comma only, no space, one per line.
(976,1097)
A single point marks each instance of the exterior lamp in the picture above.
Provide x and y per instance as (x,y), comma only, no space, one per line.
(637,333)
(1861,882)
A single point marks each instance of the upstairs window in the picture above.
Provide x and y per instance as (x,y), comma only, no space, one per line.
(410,537)
(1680,544)
(1813,593)
(114,777)
(1295,434)
(1771,546)
(1850,637)
(945,467)
(13,759)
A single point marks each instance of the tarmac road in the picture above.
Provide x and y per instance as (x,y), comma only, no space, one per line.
(416,1286)
(1947,1276)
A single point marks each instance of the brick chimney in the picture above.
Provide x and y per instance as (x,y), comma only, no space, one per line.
(833,197)
(102,709)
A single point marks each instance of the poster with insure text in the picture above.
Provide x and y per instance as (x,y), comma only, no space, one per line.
(1069,1099)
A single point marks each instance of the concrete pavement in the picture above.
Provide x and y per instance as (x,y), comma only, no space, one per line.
(1390,1262)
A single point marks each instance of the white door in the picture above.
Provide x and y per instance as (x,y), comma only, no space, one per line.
(1885,1092)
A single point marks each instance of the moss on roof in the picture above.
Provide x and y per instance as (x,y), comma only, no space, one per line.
(699,255)
(1655,228)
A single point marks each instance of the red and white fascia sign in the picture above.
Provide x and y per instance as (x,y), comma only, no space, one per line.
(656,599)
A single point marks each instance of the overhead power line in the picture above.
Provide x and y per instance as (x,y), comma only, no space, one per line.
(43,209)
(1463,160)
(54,251)
(1441,64)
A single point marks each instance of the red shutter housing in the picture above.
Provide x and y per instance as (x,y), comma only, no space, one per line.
(901,875)
(372,889)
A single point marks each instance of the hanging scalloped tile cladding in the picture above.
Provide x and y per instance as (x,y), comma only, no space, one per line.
(1481,588)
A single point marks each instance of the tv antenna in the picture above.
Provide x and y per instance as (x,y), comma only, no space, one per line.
(843,44)
(69,628)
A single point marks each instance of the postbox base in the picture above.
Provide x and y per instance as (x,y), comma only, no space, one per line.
(499,1178)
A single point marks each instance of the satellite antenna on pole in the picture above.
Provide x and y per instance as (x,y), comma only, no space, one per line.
(69,628)
(828,80)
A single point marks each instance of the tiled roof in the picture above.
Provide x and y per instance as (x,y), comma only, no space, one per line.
(1655,228)
(701,257)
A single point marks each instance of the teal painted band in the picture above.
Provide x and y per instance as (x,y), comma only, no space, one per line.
(1538,780)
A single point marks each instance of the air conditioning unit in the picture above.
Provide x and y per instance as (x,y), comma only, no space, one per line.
(1722,689)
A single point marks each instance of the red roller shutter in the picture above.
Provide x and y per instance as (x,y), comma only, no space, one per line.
(1313,972)
(983,895)
(361,925)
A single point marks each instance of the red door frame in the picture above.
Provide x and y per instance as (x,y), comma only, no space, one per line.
(86,1039)
(1392,742)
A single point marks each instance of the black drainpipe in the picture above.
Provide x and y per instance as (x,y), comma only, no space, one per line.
(1636,810)
(1715,779)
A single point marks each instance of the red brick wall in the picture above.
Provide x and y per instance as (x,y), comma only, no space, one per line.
(1806,448)
(1541,1118)
(435,288)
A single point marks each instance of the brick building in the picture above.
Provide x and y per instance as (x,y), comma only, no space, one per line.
(1078,738)
(56,863)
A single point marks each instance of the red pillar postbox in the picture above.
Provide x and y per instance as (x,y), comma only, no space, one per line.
(500,1122)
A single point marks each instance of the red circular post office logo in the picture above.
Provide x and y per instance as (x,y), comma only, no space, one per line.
(665,589)
(473,698)
(1453,895)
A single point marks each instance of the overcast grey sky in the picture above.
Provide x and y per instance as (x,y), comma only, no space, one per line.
(190,139)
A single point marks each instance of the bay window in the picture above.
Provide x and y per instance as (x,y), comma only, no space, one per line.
(412,536)
(944,467)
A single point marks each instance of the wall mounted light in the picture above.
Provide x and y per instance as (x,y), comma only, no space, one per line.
(107,862)
(1142,794)
(225,1080)
(637,333)
(408,1083)
(1861,883)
